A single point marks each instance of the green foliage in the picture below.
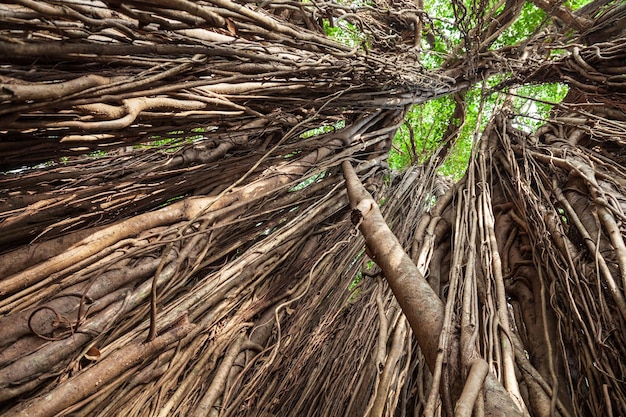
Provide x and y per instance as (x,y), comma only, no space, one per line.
(530,19)
(477,114)
(428,122)
(323,129)
(356,281)
(358,278)
(173,142)
(310,180)
(172,200)
(97,154)
(562,215)
(532,104)
(576,4)
(444,27)
(458,158)
(344,32)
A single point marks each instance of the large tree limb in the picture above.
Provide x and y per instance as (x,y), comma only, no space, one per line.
(422,307)
(88,382)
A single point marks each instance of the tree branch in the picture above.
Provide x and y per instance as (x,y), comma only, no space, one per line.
(421,306)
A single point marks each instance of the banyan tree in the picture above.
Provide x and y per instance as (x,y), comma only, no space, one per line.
(198,216)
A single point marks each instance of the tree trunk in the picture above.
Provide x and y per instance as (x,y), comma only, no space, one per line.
(176,236)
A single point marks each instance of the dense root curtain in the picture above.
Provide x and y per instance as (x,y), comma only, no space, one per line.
(535,273)
(171,194)
(421,305)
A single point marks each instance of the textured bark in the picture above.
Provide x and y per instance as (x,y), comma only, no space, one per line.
(422,307)
(174,158)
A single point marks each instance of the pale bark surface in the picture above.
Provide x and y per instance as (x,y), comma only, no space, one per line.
(171,193)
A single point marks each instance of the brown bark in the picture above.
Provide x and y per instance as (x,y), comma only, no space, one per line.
(219,128)
(422,307)
(72,391)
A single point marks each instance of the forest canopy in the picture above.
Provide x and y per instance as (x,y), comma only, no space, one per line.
(313,208)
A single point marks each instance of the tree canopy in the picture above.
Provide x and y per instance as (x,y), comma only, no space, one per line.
(193,193)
